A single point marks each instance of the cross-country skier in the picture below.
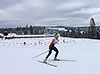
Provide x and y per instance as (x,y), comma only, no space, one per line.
(52,47)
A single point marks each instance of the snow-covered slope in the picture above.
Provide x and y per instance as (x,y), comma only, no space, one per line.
(16,56)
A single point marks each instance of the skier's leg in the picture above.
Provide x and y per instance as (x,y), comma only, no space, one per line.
(56,50)
(48,55)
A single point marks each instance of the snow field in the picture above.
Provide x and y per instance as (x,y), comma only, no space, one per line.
(16,57)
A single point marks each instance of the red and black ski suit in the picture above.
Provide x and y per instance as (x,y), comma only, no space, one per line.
(52,47)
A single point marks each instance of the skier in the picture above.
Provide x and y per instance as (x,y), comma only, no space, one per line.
(52,47)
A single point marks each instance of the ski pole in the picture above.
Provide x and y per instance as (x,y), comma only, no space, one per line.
(40,54)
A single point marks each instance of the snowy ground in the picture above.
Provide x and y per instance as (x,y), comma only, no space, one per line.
(16,57)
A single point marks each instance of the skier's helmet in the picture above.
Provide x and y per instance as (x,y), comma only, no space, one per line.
(56,35)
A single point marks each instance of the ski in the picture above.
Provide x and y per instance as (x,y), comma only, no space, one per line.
(62,60)
(48,64)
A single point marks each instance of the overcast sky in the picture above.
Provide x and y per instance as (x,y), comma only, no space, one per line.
(49,12)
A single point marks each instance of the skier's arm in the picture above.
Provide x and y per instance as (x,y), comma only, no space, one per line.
(52,43)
